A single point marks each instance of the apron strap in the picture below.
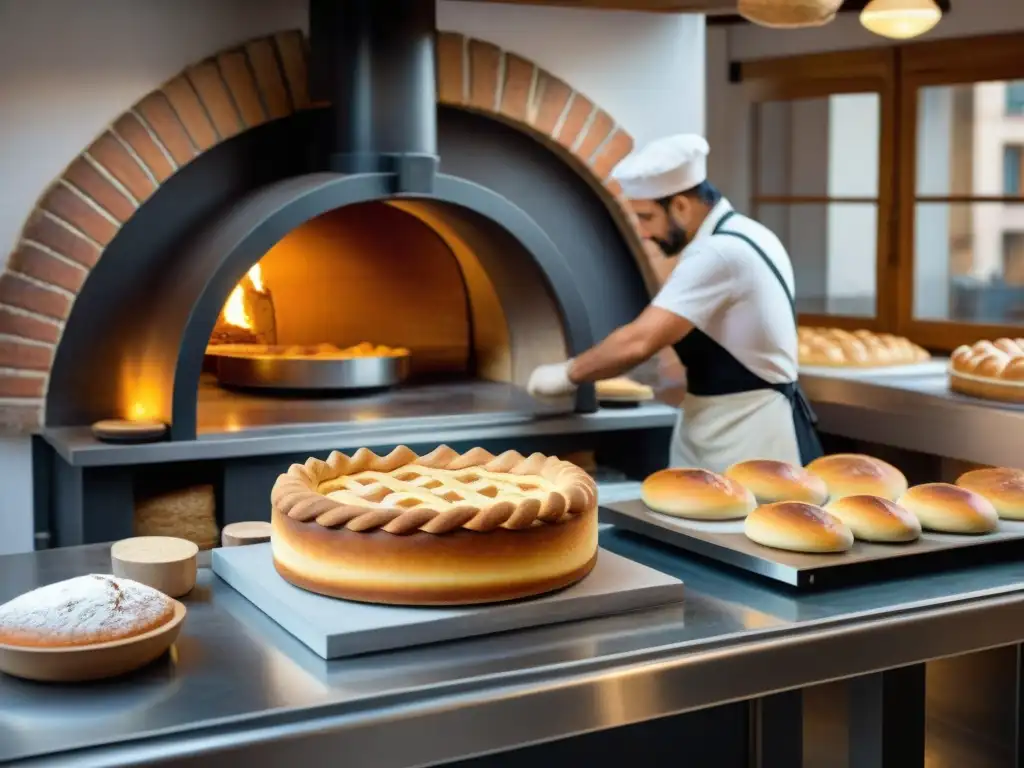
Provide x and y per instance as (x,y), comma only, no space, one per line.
(794,393)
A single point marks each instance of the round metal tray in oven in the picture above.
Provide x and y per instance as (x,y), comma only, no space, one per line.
(298,373)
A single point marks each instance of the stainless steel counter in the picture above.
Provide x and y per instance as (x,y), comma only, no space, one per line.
(917,413)
(239,690)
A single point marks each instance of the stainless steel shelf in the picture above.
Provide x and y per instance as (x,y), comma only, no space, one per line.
(240,686)
(917,413)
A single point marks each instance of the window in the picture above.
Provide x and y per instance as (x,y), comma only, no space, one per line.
(966,259)
(1015,97)
(896,179)
(817,151)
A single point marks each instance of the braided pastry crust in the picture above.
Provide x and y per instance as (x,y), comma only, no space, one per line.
(993,370)
(441,529)
(835,347)
(438,493)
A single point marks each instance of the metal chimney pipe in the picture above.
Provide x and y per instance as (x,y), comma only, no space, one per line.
(374,60)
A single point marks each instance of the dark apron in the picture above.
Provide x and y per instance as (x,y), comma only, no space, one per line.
(711,370)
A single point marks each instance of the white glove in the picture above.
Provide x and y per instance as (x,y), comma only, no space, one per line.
(551,381)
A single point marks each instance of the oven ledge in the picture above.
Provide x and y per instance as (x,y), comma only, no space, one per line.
(78,447)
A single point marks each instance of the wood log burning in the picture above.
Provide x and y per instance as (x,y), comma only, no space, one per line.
(248,314)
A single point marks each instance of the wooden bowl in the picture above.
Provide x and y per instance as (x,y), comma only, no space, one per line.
(91,662)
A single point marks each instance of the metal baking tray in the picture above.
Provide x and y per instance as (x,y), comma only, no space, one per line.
(726,543)
(297,373)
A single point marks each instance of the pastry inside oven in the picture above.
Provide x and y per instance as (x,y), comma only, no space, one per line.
(307,351)
(446,528)
(992,370)
(837,348)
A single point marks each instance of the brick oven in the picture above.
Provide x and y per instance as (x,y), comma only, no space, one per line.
(378,182)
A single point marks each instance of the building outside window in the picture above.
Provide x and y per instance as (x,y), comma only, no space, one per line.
(1015,97)
(1012,158)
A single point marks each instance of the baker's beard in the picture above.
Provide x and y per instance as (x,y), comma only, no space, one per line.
(674,243)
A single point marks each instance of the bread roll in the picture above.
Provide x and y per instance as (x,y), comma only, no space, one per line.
(83,611)
(1002,486)
(949,508)
(854,474)
(772,481)
(696,494)
(873,518)
(797,527)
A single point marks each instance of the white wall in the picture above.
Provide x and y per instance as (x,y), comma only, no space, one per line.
(71,67)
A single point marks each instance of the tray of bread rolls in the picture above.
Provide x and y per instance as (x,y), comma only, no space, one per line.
(844,519)
(861,353)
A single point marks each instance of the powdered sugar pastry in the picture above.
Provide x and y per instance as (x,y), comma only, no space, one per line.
(81,611)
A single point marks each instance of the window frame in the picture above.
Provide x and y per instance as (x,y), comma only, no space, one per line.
(818,76)
(896,73)
(923,65)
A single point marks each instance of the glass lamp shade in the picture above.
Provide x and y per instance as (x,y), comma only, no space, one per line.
(900,19)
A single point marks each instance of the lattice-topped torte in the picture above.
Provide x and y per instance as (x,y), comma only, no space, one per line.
(441,529)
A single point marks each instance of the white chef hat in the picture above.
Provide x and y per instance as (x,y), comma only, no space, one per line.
(664,167)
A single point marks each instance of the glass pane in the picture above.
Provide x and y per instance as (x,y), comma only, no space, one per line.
(833,249)
(826,147)
(969,262)
(970,139)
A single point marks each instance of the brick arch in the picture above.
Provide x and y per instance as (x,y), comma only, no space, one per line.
(233,91)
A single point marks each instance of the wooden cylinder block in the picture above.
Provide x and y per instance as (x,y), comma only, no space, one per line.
(161,562)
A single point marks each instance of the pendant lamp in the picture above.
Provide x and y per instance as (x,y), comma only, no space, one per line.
(900,19)
(789,14)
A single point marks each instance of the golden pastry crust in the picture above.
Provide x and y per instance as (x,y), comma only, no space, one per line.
(307,351)
(946,508)
(696,494)
(873,518)
(771,481)
(993,370)
(441,529)
(797,527)
(1003,486)
(837,348)
(855,474)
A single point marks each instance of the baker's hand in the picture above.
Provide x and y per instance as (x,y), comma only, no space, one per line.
(551,381)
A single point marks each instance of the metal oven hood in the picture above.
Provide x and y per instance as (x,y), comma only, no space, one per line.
(374,61)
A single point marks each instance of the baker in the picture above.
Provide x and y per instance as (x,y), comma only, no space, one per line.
(726,308)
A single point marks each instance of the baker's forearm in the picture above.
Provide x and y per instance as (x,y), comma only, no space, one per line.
(618,353)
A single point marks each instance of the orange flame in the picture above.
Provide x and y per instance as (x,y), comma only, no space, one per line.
(234,312)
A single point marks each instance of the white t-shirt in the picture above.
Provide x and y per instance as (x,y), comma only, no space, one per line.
(725,289)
